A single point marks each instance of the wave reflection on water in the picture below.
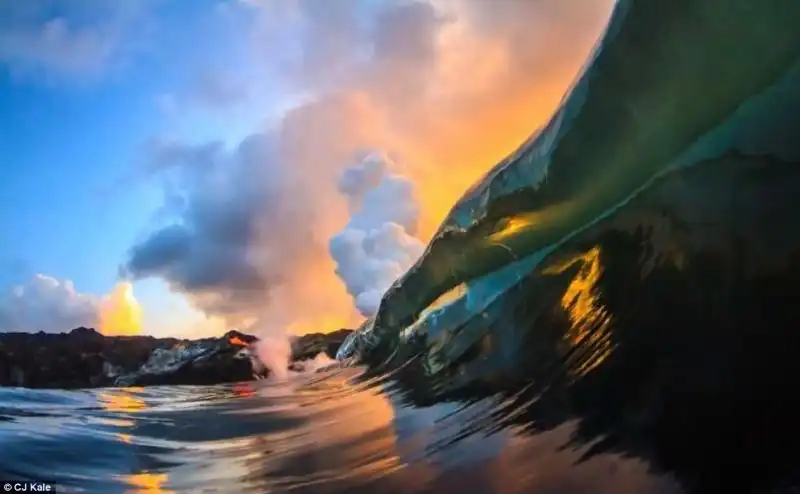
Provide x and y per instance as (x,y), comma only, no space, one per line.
(320,434)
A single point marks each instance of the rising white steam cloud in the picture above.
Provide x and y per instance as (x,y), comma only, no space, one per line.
(378,244)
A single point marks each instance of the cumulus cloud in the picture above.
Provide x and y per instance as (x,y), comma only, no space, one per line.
(448,87)
(217,251)
(243,232)
(120,313)
(452,86)
(47,304)
(52,305)
(377,246)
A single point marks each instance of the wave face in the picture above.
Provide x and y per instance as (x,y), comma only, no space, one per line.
(664,76)
(633,265)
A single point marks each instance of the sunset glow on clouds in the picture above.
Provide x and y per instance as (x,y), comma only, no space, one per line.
(446,88)
(119,312)
(53,306)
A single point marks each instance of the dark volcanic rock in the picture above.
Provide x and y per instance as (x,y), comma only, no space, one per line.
(310,345)
(233,335)
(206,361)
(80,358)
(85,358)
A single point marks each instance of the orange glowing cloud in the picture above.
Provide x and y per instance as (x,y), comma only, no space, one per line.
(451,88)
(485,92)
(120,313)
(450,117)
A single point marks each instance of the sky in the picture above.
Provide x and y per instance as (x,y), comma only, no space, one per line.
(181,168)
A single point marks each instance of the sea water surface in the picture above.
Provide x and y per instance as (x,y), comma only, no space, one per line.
(314,433)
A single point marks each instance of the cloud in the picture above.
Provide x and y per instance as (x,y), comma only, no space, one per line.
(377,245)
(240,228)
(220,197)
(74,40)
(120,313)
(47,304)
(449,88)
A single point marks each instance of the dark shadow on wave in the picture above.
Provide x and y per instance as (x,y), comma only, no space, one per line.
(669,330)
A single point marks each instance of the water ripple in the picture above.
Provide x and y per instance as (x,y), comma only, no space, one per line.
(324,433)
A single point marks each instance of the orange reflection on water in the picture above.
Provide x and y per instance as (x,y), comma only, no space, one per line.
(115,422)
(147,483)
(363,420)
(243,389)
(122,401)
(353,433)
(590,320)
(125,438)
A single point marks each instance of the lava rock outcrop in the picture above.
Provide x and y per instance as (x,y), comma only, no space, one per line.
(84,358)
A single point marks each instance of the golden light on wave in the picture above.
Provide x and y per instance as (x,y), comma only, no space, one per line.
(446,298)
(462,148)
(509,227)
(120,312)
(590,320)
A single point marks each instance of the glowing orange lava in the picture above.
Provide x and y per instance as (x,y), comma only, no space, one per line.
(236,341)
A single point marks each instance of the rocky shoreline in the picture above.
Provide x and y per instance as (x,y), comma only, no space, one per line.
(84,358)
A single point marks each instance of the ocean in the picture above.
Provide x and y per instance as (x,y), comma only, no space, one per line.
(326,432)
(651,349)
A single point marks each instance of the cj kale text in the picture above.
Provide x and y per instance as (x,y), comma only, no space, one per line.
(27,486)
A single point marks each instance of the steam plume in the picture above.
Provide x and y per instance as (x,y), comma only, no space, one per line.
(274,350)
(253,232)
(377,246)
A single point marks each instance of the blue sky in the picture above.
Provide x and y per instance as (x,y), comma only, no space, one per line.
(196,147)
(75,124)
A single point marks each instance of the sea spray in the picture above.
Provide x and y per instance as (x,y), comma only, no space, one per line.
(272,356)
(274,351)
(321,362)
